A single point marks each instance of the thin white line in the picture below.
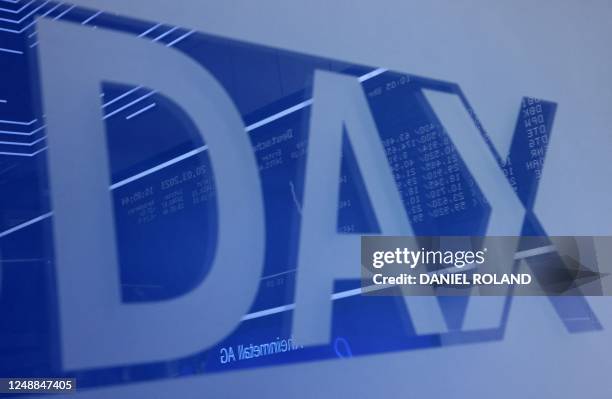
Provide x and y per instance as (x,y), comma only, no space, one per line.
(279,115)
(335,296)
(306,103)
(66,11)
(172,43)
(44,15)
(277,274)
(249,128)
(145,109)
(12,21)
(39,151)
(90,18)
(151,29)
(127,93)
(534,252)
(291,306)
(268,312)
(17,11)
(146,32)
(129,104)
(372,74)
(188,155)
(31,23)
(24,144)
(10,30)
(23,133)
(38,8)
(34,44)
(28,15)
(8,50)
(26,224)
(346,294)
(298,207)
(32,34)
(165,34)
(3,101)
(159,167)
(21,154)
(358,291)
(18,122)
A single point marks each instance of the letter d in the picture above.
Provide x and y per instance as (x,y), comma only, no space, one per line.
(96,329)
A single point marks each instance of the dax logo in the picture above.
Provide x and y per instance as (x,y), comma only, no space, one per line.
(83,224)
